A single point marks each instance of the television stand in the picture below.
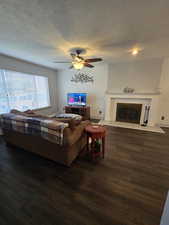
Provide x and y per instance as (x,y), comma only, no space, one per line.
(84,111)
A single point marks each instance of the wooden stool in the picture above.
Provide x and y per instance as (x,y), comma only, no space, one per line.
(96,133)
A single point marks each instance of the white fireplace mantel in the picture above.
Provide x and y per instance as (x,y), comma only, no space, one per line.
(140,98)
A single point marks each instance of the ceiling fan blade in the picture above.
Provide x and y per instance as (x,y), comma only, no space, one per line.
(93,60)
(71,67)
(88,65)
(61,62)
(81,58)
(73,55)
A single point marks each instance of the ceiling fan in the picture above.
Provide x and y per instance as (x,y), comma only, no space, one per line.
(78,62)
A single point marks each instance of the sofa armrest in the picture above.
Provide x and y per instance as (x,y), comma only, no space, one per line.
(71,136)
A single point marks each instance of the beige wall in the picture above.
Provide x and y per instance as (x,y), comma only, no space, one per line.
(11,63)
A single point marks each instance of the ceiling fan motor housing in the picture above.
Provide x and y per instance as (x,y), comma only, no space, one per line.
(78,51)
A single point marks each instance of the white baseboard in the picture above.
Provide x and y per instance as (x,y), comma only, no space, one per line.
(162,125)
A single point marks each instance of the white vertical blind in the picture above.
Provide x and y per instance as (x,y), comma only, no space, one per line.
(4,102)
(22,91)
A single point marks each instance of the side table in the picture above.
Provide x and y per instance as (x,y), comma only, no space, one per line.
(96,133)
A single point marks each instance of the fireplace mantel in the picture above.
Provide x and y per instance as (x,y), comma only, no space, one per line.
(133,94)
(150,99)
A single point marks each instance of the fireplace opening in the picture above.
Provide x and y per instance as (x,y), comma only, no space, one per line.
(128,112)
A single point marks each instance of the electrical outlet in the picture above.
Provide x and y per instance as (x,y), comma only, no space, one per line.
(162,118)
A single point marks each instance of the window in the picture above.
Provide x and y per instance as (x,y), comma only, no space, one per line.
(22,91)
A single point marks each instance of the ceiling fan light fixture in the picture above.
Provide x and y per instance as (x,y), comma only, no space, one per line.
(77,65)
(78,62)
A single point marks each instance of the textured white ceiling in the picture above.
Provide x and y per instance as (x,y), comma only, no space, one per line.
(42,31)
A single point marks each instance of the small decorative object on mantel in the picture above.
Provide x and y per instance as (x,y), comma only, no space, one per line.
(128,90)
(82,77)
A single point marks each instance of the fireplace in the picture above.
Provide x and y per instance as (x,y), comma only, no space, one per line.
(152,100)
(128,112)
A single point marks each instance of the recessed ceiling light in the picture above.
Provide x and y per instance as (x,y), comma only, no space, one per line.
(135,51)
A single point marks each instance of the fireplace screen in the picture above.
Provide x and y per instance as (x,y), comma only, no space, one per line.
(128,112)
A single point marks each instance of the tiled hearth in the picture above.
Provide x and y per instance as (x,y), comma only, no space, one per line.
(132,126)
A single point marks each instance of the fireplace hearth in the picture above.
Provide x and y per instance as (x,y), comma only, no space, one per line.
(128,112)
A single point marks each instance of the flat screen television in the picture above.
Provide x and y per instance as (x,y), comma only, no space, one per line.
(77,99)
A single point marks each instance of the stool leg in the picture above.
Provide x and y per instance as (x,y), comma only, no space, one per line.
(103,146)
(93,158)
(87,143)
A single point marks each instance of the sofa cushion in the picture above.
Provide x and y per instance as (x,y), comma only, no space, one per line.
(72,119)
(28,113)
(69,115)
(71,137)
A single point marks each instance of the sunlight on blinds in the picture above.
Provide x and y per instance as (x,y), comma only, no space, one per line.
(22,91)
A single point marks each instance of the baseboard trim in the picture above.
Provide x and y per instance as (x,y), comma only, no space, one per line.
(162,125)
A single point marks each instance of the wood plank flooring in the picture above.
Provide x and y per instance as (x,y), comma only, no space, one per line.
(128,187)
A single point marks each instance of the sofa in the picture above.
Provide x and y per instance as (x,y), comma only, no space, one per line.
(64,152)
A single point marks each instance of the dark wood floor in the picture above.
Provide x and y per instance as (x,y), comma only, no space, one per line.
(128,187)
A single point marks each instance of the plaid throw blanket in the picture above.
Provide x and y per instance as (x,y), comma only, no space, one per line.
(48,129)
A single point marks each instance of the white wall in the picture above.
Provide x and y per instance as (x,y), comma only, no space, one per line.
(143,76)
(164,97)
(11,63)
(95,90)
